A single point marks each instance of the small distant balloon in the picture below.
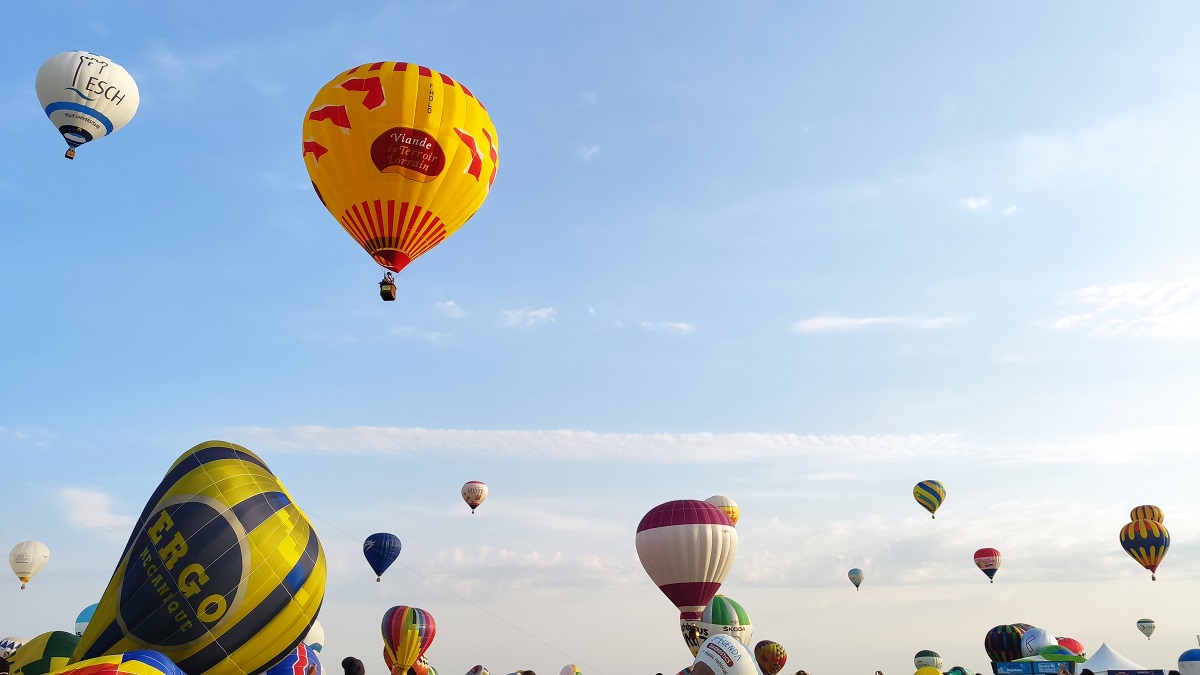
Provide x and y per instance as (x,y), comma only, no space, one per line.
(770,656)
(86,96)
(928,658)
(930,494)
(856,577)
(727,505)
(1146,626)
(474,492)
(1146,541)
(381,550)
(84,617)
(478,670)
(570,669)
(988,562)
(27,559)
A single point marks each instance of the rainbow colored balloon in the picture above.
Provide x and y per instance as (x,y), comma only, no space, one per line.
(771,656)
(407,633)
(1146,541)
(136,662)
(930,494)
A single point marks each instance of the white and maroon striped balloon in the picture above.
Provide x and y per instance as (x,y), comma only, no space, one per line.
(687,547)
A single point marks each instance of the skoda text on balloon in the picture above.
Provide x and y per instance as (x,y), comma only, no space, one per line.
(174,571)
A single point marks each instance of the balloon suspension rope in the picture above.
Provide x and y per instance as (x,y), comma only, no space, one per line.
(451,592)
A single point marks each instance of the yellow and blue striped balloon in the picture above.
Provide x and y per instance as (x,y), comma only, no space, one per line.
(1146,541)
(1147,512)
(930,494)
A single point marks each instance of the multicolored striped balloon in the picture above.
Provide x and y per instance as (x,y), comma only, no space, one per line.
(1146,541)
(771,656)
(300,661)
(1003,643)
(1146,512)
(407,633)
(722,614)
(930,494)
(136,662)
(687,548)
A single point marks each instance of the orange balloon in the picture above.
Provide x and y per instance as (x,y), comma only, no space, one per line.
(401,155)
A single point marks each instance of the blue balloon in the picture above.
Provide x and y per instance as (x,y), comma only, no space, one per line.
(300,661)
(381,550)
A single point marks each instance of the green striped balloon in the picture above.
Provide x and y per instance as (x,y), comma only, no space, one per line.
(929,494)
(722,615)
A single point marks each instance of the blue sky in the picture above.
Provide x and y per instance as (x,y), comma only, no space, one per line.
(803,254)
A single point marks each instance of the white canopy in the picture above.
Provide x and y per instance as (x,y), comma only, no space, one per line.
(1105,659)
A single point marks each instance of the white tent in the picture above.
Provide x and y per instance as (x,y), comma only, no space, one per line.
(1105,659)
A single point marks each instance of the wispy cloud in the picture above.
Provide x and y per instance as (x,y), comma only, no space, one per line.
(432,337)
(92,510)
(587,152)
(526,318)
(1010,210)
(451,309)
(675,327)
(974,204)
(1152,308)
(835,323)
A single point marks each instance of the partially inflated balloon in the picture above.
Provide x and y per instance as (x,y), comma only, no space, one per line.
(401,155)
(315,637)
(988,561)
(927,670)
(727,505)
(928,658)
(381,550)
(9,646)
(930,494)
(27,559)
(1146,541)
(770,656)
(687,548)
(721,615)
(1146,626)
(1003,643)
(86,96)
(856,577)
(407,633)
(137,662)
(570,669)
(1034,640)
(474,492)
(84,617)
(1072,644)
(43,654)
(223,572)
(300,661)
(724,655)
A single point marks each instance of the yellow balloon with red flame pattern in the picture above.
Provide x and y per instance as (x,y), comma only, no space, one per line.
(401,155)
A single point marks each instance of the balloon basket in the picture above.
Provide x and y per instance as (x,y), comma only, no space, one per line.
(387,291)
(70,153)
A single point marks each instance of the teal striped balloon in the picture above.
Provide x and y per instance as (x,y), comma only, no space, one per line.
(930,494)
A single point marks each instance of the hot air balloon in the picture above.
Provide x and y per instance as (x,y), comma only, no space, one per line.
(84,617)
(727,505)
(1075,646)
(927,658)
(721,615)
(930,494)
(474,492)
(223,573)
(1146,541)
(137,662)
(9,646)
(1146,512)
(770,656)
(1003,643)
(1034,640)
(43,654)
(315,637)
(927,671)
(86,96)
(570,669)
(1146,626)
(478,670)
(27,559)
(724,655)
(856,577)
(381,550)
(687,548)
(300,661)
(1189,662)
(401,156)
(407,633)
(988,561)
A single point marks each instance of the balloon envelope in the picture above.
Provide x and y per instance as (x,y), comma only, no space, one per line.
(1074,645)
(84,617)
(570,669)
(223,572)
(381,550)
(727,505)
(1146,626)
(927,671)
(1146,541)
(86,96)
(474,492)
(43,654)
(724,655)
(401,155)
(136,662)
(1036,639)
(687,548)
(478,670)
(856,576)
(9,646)
(27,559)
(407,633)
(1003,643)
(300,661)
(988,561)
(1146,512)
(927,657)
(315,637)
(1189,662)
(721,615)
(930,494)
(770,656)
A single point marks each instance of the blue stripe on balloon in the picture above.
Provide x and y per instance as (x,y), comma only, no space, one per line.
(91,112)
